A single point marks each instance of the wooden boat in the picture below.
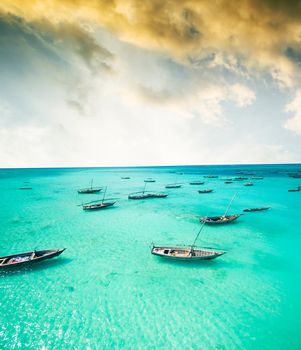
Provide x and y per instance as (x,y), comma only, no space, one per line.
(248,184)
(146,195)
(173,185)
(256,209)
(125,177)
(97,205)
(223,219)
(257,178)
(228,182)
(210,176)
(25,188)
(208,190)
(90,189)
(240,178)
(149,180)
(188,253)
(294,190)
(196,183)
(28,258)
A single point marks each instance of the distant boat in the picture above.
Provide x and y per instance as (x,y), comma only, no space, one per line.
(175,185)
(228,182)
(29,257)
(90,189)
(248,184)
(146,194)
(240,178)
(223,219)
(188,253)
(210,176)
(294,190)
(296,176)
(196,183)
(97,205)
(256,209)
(25,188)
(257,178)
(125,177)
(208,190)
(149,180)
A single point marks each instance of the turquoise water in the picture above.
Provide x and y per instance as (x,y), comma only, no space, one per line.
(108,292)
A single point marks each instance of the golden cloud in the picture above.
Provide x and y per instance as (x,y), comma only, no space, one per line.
(259,35)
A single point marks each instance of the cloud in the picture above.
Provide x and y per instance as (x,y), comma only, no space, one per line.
(294,107)
(251,35)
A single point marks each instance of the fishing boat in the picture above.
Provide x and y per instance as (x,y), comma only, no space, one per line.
(228,182)
(97,205)
(90,189)
(146,194)
(248,184)
(196,183)
(294,190)
(240,178)
(29,257)
(257,178)
(25,188)
(256,209)
(175,185)
(125,177)
(149,179)
(210,176)
(223,219)
(208,190)
(186,253)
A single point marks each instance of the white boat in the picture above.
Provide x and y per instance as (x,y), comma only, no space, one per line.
(182,253)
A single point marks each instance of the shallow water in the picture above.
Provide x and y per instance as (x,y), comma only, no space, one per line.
(108,292)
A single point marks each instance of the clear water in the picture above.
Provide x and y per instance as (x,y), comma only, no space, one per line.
(108,292)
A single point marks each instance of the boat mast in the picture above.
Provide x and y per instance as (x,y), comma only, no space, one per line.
(144,187)
(229,205)
(103,198)
(197,236)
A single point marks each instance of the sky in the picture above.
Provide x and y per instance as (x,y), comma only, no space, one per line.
(149,82)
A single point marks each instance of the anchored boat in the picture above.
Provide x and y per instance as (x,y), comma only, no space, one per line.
(97,205)
(186,253)
(149,179)
(90,189)
(146,194)
(248,184)
(29,257)
(208,190)
(223,219)
(196,183)
(256,209)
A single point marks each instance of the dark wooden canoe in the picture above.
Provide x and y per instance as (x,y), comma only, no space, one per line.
(256,209)
(209,190)
(89,190)
(28,257)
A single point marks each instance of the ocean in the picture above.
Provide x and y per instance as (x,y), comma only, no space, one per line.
(107,291)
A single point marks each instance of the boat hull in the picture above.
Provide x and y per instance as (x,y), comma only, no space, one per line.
(44,255)
(185,254)
(219,220)
(98,206)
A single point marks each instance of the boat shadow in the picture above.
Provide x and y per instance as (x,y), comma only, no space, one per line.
(43,265)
